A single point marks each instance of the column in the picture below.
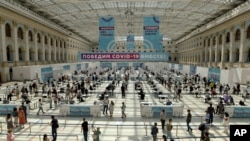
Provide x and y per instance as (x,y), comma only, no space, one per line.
(3,38)
(231,45)
(26,28)
(210,49)
(49,48)
(223,47)
(55,49)
(43,47)
(15,42)
(216,47)
(35,41)
(242,42)
(205,50)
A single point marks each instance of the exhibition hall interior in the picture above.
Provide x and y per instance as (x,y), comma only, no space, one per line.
(124,70)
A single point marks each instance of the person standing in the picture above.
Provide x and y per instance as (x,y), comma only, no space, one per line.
(169,128)
(225,122)
(105,105)
(111,108)
(84,129)
(123,89)
(9,122)
(10,136)
(96,133)
(54,125)
(24,108)
(163,118)
(123,108)
(40,105)
(154,131)
(188,120)
(211,112)
(21,116)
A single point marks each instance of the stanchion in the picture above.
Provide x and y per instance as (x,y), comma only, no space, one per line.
(29,127)
(117,131)
(39,137)
(76,137)
(176,130)
(146,128)
(1,124)
(65,122)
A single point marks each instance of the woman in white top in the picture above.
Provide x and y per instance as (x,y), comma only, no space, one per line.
(111,108)
(225,122)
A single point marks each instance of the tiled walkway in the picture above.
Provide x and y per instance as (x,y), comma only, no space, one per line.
(133,128)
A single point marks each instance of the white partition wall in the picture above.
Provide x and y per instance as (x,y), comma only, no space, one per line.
(202,71)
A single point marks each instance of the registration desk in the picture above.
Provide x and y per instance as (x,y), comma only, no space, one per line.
(154,111)
(80,110)
(7,108)
(238,111)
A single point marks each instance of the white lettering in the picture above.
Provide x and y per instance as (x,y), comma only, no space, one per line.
(240,133)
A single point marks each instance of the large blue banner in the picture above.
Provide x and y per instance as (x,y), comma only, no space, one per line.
(46,73)
(151,34)
(213,75)
(78,67)
(106,65)
(106,33)
(66,67)
(192,70)
(130,42)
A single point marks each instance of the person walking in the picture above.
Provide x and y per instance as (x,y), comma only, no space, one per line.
(105,105)
(54,125)
(40,105)
(84,129)
(203,127)
(169,128)
(123,108)
(163,118)
(225,122)
(188,120)
(111,108)
(211,112)
(154,131)
(15,116)
(9,122)
(10,136)
(96,133)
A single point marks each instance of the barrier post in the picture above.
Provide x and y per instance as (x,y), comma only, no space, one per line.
(39,137)
(76,137)
(1,124)
(176,131)
(65,123)
(146,128)
(117,131)
(29,127)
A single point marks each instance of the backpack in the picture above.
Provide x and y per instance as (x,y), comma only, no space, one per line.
(202,127)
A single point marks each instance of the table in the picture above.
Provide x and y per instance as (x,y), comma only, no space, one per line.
(162,97)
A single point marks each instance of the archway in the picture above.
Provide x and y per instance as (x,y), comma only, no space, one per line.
(9,53)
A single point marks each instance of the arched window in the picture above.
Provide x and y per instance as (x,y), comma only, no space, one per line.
(30,36)
(51,42)
(228,38)
(8,53)
(220,39)
(237,35)
(7,30)
(38,38)
(56,43)
(208,42)
(214,41)
(248,32)
(45,40)
(60,43)
(20,54)
(20,33)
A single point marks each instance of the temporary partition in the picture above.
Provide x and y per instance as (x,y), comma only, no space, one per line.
(80,110)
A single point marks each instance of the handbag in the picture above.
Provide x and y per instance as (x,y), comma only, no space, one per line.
(94,136)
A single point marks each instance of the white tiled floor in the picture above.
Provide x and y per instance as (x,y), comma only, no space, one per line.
(133,128)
